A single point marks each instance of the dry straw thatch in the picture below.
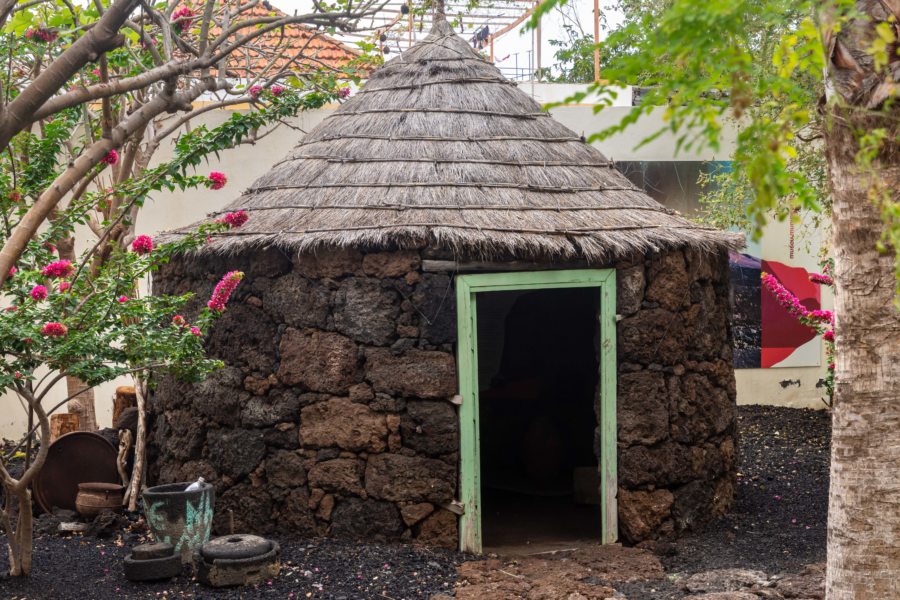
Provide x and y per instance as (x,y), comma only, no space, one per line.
(439,149)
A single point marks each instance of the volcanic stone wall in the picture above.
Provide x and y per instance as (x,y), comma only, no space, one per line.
(332,415)
(676,393)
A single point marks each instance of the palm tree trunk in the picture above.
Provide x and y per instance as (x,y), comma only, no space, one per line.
(864,503)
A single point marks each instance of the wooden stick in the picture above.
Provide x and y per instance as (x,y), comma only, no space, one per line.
(139,446)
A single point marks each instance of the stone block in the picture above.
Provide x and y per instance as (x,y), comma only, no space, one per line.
(439,529)
(642,408)
(343,423)
(236,452)
(391,264)
(341,475)
(322,361)
(370,520)
(329,263)
(366,311)
(286,469)
(668,282)
(410,479)
(430,426)
(421,373)
(642,512)
(298,301)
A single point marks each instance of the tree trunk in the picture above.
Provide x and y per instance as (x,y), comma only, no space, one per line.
(83,403)
(82,400)
(18,538)
(864,504)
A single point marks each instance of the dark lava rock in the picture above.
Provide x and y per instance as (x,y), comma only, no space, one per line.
(366,519)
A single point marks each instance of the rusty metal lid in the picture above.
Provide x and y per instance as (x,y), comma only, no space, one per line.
(94,486)
(75,458)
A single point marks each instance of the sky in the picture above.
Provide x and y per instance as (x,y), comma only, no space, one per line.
(515,47)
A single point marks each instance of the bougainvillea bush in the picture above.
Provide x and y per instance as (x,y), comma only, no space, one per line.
(821,321)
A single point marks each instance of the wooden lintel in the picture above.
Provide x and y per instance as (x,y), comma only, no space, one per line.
(453,266)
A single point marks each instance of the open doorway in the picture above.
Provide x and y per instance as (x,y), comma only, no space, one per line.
(537,422)
(538,371)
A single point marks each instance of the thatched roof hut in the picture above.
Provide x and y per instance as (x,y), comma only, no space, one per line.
(363,398)
(439,149)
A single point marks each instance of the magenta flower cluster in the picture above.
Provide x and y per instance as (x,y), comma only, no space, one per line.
(39,293)
(41,34)
(224,289)
(54,329)
(217,180)
(235,219)
(111,158)
(58,269)
(344,92)
(182,18)
(821,279)
(142,244)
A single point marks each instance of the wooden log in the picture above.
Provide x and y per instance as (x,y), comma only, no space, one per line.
(125,398)
(63,423)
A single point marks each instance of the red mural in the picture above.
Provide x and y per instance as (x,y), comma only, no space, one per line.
(782,333)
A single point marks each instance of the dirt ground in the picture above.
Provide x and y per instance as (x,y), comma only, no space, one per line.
(772,545)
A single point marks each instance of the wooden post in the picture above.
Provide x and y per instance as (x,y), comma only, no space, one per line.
(492,48)
(125,398)
(596,41)
(63,423)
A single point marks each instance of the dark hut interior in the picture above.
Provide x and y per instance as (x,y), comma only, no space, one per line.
(538,374)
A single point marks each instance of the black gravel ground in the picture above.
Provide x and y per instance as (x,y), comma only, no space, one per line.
(777,526)
(84,568)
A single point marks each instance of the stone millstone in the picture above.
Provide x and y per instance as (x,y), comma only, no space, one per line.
(152,568)
(149,551)
(237,560)
(233,547)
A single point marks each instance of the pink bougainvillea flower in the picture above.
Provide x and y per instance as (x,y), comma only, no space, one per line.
(41,35)
(182,18)
(59,268)
(38,293)
(196,331)
(277,90)
(821,279)
(217,180)
(15,196)
(828,336)
(12,271)
(178,321)
(64,286)
(831,366)
(49,246)
(18,375)
(235,219)
(255,91)
(344,92)
(95,72)
(27,340)
(12,308)
(224,289)
(142,244)
(54,329)
(111,158)
(122,299)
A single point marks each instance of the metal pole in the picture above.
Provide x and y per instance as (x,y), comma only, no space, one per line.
(596,41)
(537,33)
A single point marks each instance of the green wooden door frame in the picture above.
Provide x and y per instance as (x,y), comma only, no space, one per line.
(467,286)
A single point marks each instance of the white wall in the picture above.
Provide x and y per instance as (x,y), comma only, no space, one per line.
(244,164)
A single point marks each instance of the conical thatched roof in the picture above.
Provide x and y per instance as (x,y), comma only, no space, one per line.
(439,148)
